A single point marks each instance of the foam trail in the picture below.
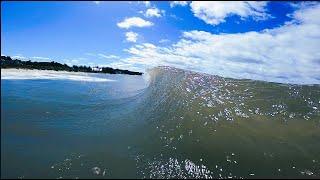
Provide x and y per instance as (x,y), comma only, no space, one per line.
(20,74)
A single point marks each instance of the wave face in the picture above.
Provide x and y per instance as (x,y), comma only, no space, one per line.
(206,126)
(181,125)
(222,99)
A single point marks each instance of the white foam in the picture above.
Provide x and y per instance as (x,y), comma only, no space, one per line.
(21,74)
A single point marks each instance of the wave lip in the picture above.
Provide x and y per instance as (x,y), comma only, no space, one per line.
(23,74)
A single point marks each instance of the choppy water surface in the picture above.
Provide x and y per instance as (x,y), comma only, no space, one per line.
(180,124)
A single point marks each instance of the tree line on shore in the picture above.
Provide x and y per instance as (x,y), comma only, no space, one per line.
(8,62)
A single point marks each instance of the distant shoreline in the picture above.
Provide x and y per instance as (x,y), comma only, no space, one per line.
(8,63)
(40,70)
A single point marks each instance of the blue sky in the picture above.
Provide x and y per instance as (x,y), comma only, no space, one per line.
(273,41)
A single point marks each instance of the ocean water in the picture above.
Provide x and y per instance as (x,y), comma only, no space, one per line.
(170,123)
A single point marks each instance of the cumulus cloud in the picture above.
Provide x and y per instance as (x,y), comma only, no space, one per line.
(288,54)
(307,13)
(215,12)
(131,36)
(178,3)
(134,22)
(153,12)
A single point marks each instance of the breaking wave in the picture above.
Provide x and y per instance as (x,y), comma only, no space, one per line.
(184,124)
(206,126)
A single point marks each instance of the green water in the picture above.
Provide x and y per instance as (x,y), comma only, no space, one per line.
(180,125)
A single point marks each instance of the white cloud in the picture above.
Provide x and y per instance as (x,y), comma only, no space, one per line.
(307,14)
(215,12)
(40,58)
(146,3)
(89,54)
(131,36)
(134,22)
(97,2)
(34,58)
(122,65)
(153,12)
(108,56)
(100,55)
(288,54)
(19,56)
(164,40)
(71,62)
(178,3)
(75,61)
(176,17)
